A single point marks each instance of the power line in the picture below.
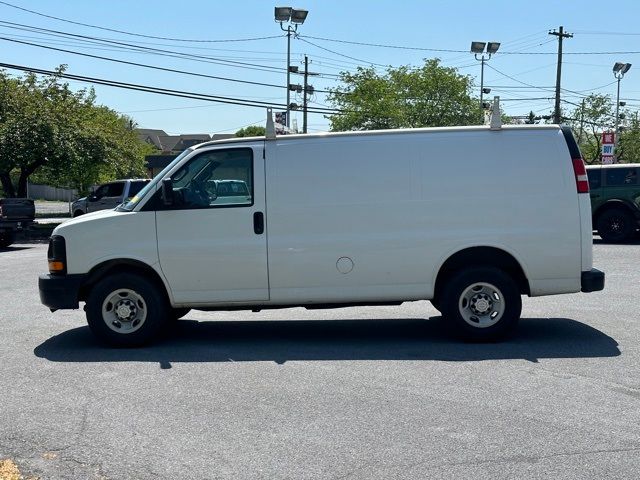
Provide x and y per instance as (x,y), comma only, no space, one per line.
(158,90)
(341,54)
(587,32)
(138,34)
(143,49)
(143,65)
(515,79)
(400,47)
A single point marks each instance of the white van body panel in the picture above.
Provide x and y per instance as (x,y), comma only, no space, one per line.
(359,217)
(97,237)
(587,231)
(398,205)
(212,255)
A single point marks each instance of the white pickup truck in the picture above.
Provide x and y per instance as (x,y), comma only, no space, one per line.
(470,218)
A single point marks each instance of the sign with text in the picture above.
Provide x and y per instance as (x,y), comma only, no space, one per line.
(608,148)
(608,137)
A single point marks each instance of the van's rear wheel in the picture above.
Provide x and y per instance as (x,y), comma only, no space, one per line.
(178,313)
(435,301)
(481,304)
(615,225)
(126,310)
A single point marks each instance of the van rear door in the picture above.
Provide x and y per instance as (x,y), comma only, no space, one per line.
(213,248)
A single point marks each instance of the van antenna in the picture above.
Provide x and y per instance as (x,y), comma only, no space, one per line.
(270,130)
(496,118)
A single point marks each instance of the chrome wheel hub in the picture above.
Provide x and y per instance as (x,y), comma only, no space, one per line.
(124,311)
(481,305)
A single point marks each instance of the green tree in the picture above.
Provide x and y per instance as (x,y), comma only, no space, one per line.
(629,145)
(252,131)
(62,135)
(403,97)
(595,114)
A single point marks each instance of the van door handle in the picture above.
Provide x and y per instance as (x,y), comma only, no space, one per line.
(258,223)
(594,195)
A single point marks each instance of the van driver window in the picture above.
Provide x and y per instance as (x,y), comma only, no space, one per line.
(219,178)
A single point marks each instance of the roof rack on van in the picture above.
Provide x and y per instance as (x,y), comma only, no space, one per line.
(270,130)
(496,118)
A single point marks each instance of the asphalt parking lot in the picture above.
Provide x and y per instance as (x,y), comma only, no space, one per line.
(358,393)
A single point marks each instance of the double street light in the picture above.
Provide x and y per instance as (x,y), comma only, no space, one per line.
(619,69)
(292,17)
(478,48)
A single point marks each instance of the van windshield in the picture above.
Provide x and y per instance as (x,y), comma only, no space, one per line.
(151,186)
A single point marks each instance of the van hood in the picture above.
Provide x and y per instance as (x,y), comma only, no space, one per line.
(95,217)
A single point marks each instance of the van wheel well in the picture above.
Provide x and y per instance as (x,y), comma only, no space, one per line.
(481,257)
(110,267)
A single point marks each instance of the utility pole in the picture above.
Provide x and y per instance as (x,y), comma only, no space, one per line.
(304,101)
(560,34)
(307,90)
(581,120)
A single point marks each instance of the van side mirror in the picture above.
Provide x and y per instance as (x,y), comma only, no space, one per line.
(92,197)
(167,192)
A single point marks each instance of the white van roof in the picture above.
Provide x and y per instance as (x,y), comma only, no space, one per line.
(359,133)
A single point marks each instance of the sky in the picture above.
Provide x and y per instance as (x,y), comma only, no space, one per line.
(241,41)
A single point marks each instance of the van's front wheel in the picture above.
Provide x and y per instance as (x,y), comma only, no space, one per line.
(482,304)
(126,310)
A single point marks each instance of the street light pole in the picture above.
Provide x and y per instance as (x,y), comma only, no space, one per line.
(619,77)
(478,48)
(295,16)
(619,69)
(288,73)
(481,79)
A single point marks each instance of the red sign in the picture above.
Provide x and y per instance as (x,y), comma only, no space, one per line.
(608,138)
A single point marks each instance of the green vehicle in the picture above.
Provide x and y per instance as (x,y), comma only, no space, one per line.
(615,200)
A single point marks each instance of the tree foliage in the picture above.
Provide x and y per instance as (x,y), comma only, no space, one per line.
(588,120)
(252,131)
(596,114)
(61,135)
(403,97)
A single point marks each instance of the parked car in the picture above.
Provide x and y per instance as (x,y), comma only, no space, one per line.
(615,200)
(452,215)
(16,214)
(228,191)
(108,196)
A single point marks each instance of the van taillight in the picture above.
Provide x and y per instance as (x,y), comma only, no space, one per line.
(582,180)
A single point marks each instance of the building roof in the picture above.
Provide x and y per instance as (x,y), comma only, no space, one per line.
(174,143)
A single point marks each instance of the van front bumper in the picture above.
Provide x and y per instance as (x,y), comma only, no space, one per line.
(60,291)
(592,281)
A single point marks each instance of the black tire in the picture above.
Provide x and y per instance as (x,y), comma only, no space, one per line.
(615,225)
(6,239)
(436,304)
(77,213)
(494,292)
(178,313)
(153,304)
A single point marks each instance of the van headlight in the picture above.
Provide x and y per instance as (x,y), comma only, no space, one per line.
(57,255)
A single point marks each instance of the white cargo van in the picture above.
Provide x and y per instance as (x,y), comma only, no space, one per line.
(470,218)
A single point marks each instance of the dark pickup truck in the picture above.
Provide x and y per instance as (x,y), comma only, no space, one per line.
(15,214)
